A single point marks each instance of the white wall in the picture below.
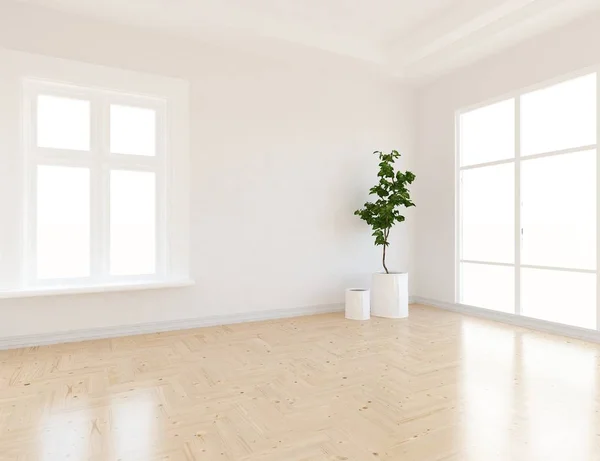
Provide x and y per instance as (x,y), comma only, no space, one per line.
(559,52)
(280,159)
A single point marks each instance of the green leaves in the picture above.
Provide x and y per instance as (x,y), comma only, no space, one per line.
(391,192)
(380,238)
(385,170)
(409,177)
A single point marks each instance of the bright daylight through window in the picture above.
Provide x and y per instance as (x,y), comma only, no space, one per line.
(95,168)
(95,188)
(94,184)
(527,206)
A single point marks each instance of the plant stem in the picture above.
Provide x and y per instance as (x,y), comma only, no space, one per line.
(387,232)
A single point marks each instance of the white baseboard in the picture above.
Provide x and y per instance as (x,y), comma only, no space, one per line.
(156,327)
(186,324)
(512,319)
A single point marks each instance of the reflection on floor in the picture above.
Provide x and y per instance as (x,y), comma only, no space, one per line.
(437,386)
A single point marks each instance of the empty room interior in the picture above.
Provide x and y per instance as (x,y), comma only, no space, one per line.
(299,230)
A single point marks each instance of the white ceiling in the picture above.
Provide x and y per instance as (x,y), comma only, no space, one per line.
(411,38)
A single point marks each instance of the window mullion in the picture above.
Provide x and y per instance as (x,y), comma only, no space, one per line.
(458,211)
(132,163)
(597,204)
(161,194)
(98,189)
(29,249)
(518,228)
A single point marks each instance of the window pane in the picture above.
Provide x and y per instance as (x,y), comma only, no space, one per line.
(63,123)
(488,134)
(132,223)
(560,117)
(557,296)
(489,287)
(132,130)
(63,222)
(558,214)
(488,215)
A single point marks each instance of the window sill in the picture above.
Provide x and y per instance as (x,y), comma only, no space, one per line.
(71,290)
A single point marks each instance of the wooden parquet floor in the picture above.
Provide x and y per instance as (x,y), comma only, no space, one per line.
(437,386)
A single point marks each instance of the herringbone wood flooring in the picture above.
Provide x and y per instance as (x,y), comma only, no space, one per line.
(437,386)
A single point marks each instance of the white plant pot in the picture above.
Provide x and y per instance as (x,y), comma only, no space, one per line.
(358,304)
(389,295)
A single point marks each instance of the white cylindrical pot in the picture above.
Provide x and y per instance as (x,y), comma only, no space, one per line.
(389,295)
(358,304)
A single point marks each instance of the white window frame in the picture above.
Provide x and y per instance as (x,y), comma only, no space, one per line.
(99,161)
(516,161)
(26,75)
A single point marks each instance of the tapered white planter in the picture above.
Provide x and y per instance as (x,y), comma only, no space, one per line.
(358,304)
(389,295)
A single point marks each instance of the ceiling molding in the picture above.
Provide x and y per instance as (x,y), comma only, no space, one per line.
(430,39)
(477,29)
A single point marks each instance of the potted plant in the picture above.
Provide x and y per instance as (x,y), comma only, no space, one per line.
(389,291)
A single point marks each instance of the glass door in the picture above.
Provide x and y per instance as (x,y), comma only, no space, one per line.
(527,204)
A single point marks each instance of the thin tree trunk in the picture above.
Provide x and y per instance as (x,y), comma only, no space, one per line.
(384,247)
